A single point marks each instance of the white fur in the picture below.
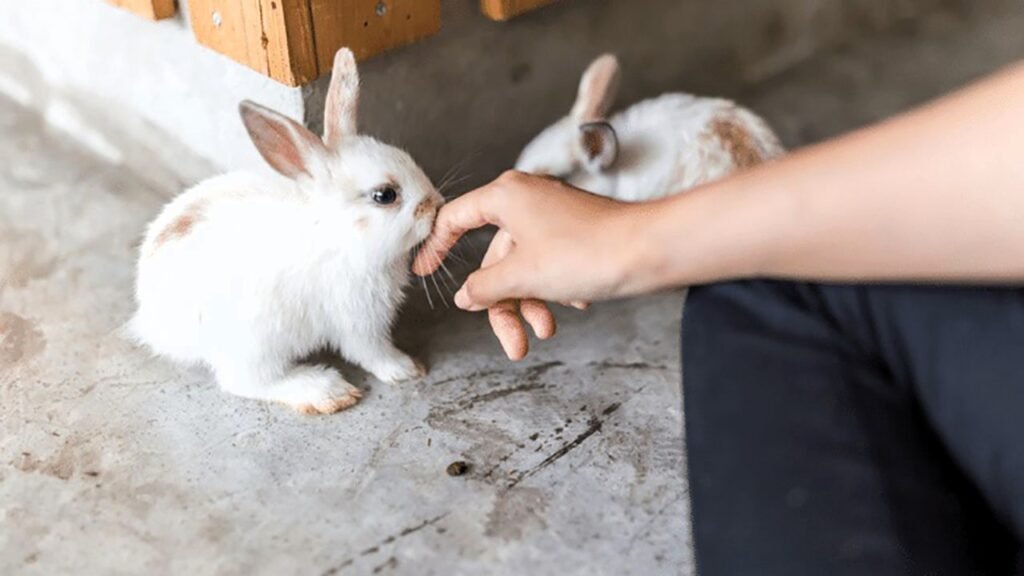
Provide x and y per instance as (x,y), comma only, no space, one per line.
(665,144)
(273,269)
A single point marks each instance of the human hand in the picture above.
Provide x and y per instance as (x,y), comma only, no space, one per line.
(555,243)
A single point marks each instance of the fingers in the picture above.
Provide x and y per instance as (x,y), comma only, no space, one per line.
(467,212)
(505,322)
(496,258)
(540,318)
(505,315)
(490,285)
(500,247)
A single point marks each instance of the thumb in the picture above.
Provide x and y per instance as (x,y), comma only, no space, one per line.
(490,285)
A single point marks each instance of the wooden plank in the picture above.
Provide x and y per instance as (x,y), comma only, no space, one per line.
(291,56)
(152,9)
(505,9)
(270,36)
(369,27)
(294,41)
(233,28)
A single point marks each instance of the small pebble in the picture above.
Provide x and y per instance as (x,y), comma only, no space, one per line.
(458,468)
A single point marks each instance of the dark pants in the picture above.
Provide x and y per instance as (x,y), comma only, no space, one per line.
(868,430)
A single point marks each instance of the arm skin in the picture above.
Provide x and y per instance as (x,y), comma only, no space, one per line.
(933,195)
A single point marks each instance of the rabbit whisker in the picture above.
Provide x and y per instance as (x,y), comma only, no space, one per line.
(459,165)
(452,287)
(451,291)
(445,182)
(455,253)
(423,282)
(448,272)
(430,301)
(455,181)
(449,173)
(433,278)
(450,176)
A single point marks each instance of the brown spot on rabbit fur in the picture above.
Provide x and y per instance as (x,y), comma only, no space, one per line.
(426,207)
(181,225)
(362,223)
(737,141)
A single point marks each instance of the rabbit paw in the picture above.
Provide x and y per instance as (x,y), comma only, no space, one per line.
(319,391)
(330,403)
(400,369)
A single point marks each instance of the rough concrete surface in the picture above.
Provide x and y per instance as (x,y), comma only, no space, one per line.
(114,463)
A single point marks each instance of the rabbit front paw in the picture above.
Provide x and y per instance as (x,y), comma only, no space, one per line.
(329,402)
(317,391)
(400,368)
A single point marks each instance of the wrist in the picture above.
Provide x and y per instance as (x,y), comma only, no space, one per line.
(638,258)
(715,233)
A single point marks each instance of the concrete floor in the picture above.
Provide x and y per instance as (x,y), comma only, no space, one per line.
(111,462)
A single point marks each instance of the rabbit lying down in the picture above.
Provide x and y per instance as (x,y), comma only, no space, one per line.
(245,274)
(652,149)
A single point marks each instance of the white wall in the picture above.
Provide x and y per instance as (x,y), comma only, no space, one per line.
(123,65)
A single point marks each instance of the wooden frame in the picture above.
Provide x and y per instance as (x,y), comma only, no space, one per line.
(152,9)
(505,9)
(294,41)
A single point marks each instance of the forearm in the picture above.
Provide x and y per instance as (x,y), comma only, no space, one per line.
(933,195)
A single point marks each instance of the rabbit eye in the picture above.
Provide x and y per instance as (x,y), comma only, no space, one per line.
(385,195)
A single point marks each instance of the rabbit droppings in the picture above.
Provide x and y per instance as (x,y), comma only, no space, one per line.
(652,149)
(247,274)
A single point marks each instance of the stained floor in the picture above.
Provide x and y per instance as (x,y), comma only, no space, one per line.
(111,462)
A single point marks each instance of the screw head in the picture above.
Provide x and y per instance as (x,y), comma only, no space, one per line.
(217,19)
(382,8)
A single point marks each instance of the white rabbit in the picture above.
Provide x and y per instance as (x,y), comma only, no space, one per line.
(652,149)
(247,274)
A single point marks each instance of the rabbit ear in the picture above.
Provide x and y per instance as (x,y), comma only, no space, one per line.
(598,88)
(342,98)
(286,145)
(598,145)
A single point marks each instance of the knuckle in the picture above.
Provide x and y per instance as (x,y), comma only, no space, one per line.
(494,204)
(471,289)
(511,180)
(501,311)
(511,176)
